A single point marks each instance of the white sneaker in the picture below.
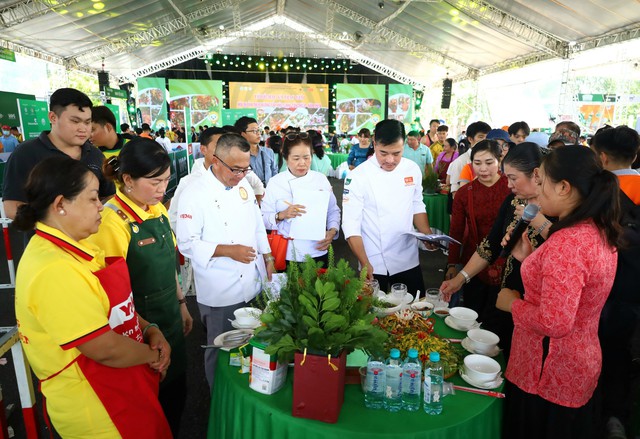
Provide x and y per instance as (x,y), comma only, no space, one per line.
(615,429)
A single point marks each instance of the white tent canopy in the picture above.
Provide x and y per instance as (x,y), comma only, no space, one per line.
(413,41)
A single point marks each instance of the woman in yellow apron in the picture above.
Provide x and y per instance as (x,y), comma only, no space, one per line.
(135,226)
(98,363)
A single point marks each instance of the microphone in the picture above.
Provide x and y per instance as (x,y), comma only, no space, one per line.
(528,215)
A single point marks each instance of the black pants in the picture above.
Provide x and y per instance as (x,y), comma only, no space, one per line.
(412,278)
(528,416)
(172,397)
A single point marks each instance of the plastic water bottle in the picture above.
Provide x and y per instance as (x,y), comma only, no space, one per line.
(411,381)
(393,372)
(375,383)
(433,378)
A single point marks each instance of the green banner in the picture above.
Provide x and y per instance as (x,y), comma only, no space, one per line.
(7,55)
(9,107)
(400,103)
(34,117)
(229,116)
(358,106)
(202,97)
(152,102)
(173,177)
(115,93)
(115,109)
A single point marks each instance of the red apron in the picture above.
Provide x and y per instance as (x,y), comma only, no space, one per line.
(130,394)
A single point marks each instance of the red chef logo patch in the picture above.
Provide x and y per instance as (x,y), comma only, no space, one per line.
(408,181)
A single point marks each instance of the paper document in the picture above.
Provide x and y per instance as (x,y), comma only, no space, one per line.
(312,225)
(432,238)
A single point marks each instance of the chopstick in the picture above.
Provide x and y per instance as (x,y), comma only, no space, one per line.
(479,391)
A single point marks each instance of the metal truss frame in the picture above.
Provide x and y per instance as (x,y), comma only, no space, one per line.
(146,37)
(512,26)
(27,9)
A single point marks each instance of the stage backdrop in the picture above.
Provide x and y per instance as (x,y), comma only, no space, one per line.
(401,103)
(152,102)
(358,106)
(282,105)
(203,97)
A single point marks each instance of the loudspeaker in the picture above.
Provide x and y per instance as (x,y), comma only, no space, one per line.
(103,80)
(446,93)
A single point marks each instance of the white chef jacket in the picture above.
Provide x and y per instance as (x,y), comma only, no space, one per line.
(199,169)
(455,169)
(379,206)
(210,214)
(279,191)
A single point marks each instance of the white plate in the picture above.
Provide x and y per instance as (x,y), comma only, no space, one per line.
(467,344)
(486,386)
(237,325)
(451,324)
(222,341)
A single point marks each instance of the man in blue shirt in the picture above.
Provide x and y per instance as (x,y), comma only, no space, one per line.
(8,140)
(262,159)
(417,152)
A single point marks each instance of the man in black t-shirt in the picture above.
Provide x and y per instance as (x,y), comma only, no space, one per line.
(70,118)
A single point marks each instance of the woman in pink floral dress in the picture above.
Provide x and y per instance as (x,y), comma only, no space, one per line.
(555,354)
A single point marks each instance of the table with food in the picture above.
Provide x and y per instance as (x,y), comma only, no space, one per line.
(255,397)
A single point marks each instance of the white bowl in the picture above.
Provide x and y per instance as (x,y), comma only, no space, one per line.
(423,308)
(247,316)
(483,341)
(481,368)
(463,317)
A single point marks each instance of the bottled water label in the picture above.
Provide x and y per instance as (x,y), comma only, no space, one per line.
(427,389)
(375,377)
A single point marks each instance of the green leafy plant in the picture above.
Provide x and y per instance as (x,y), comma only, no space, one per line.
(322,311)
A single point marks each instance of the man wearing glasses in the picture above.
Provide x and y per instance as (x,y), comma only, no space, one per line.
(263,161)
(225,239)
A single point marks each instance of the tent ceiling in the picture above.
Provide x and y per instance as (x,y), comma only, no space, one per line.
(418,41)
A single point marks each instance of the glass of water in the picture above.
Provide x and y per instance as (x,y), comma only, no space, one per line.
(398,290)
(433,295)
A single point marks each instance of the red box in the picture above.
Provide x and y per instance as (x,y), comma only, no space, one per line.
(318,389)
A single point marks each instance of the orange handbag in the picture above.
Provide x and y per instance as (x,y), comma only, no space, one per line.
(278,245)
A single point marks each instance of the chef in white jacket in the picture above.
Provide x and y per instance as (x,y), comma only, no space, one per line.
(382,201)
(279,210)
(208,140)
(220,229)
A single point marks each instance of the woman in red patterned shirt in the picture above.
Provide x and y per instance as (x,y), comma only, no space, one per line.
(475,209)
(555,354)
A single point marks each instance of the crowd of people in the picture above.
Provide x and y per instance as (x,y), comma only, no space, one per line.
(102,247)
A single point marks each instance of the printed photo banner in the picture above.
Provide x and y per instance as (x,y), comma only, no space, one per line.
(202,97)
(281,105)
(152,102)
(358,106)
(400,103)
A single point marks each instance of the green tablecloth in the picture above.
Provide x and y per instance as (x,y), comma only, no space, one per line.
(437,210)
(240,412)
(337,159)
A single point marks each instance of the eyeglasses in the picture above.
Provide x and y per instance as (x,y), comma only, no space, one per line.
(234,171)
(294,136)
(253,131)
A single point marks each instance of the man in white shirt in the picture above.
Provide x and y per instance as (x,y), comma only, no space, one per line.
(220,228)
(476,132)
(382,201)
(208,141)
